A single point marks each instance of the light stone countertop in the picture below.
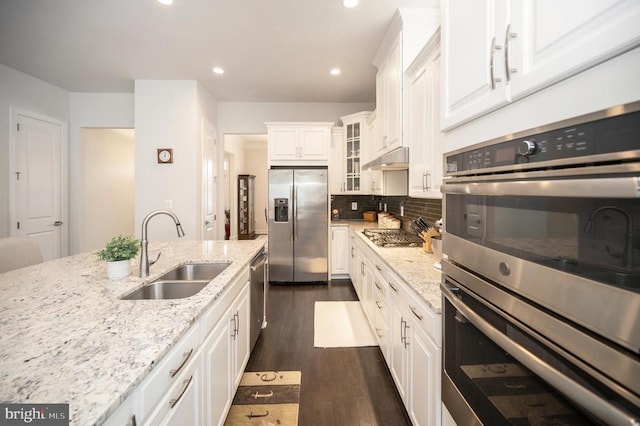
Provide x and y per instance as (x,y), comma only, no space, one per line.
(412,264)
(68,338)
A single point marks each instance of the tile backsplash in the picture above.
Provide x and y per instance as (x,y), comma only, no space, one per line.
(429,208)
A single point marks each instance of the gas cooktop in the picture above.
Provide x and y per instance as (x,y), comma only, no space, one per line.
(392,237)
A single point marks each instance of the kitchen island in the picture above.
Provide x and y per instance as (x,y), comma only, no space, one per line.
(68,338)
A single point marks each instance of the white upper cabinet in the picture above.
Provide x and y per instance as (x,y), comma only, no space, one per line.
(497,51)
(409,30)
(425,138)
(336,171)
(298,143)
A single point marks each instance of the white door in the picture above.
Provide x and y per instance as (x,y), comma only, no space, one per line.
(37,184)
(209,180)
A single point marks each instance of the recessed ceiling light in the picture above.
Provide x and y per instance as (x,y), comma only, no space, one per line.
(349,3)
(167,2)
(335,71)
(218,70)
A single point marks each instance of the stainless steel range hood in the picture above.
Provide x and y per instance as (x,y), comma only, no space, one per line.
(398,159)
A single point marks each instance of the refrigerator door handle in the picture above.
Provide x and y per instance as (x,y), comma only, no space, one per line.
(295,212)
(291,213)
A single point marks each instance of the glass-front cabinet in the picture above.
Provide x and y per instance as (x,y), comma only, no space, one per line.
(246,212)
(352,156)
(354,150)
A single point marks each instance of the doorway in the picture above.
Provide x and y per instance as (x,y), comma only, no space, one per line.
(246,154)
(105,199)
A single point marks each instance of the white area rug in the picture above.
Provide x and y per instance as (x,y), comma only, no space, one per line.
(341,324)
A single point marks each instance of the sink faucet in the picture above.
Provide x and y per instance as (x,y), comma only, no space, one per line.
(144,257)
(628,251)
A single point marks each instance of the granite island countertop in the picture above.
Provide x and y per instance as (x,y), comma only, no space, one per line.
(412,264)
(68,338)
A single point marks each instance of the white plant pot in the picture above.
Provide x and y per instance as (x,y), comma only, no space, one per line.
(119,269)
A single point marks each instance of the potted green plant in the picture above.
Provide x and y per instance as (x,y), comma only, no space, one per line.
(118,254)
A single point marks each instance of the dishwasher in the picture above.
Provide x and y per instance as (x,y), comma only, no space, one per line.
(258,267)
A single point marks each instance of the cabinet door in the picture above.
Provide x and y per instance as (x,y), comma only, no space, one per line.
(382,135)
(186,401)
(393,87)
(283,143)
(547,47)
(435,137)
(353,156)
(183,403)
(424,377)
(217,368)
(472,31)
(241,344)
(314,144)
(339,250)
(397,338)
(336,168)
(418,132)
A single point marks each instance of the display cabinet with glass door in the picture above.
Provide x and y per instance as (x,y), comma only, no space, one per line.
(246,214)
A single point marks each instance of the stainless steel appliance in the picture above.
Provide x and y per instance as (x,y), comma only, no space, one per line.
(298,217)
(542,282)
(257,283)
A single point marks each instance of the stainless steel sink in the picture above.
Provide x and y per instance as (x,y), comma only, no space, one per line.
(167,290)
(195,271)
(180,282)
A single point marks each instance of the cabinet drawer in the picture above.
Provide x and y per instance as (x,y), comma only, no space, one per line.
(220,306)
(180,404)
(380,284)
(420,313)
(167,371)
(380,327)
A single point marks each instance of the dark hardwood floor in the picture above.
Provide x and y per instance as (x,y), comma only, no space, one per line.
(340,386)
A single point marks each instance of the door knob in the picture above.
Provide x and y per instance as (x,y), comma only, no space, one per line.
(57,223)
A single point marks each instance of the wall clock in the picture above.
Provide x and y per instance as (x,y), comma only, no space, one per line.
(165,155)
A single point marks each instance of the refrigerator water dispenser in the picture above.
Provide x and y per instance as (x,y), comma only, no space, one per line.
(282,209)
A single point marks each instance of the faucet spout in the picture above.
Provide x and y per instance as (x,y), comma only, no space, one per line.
(628,251)
(144,242)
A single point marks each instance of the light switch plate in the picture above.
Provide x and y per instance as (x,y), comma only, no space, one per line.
(354,205)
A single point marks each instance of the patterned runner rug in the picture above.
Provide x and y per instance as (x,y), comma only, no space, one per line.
(266,398)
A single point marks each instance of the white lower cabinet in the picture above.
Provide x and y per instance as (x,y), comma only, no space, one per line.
(195,382)
(408,331)
(225,355)
(182,405)
(339,251)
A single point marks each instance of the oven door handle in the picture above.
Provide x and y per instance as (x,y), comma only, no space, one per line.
(614,187)
(598,406)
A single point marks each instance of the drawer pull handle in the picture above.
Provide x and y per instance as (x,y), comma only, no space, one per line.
(415,313)
(378,286)
(174,401)
(132,421)
(186,357)
(393,288)
(379,305)
(378,268)
(379,333)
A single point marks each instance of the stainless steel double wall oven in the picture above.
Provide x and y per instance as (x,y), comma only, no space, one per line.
(542,283)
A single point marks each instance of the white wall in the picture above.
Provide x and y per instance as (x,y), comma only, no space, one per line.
(18,90)
(106,186)
(90,110)
(168,114)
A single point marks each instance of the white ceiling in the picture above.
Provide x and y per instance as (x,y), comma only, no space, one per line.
(271,50)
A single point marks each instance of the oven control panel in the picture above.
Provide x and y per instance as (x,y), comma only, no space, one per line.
(596,140)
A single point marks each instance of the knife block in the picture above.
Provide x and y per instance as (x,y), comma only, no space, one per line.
(426,236)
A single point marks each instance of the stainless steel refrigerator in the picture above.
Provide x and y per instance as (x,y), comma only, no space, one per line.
(298,220)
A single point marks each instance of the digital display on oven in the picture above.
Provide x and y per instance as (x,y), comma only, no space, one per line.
(505,154)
